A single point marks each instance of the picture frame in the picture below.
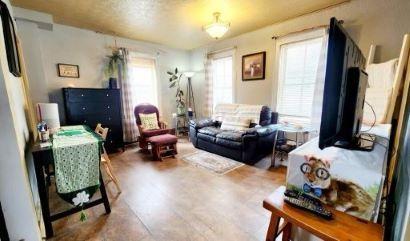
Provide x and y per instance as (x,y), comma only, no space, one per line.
(10,40)
(68,70)
(253,66)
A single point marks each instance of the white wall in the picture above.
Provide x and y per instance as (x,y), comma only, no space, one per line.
(382,22)
(87,49)
(15,194)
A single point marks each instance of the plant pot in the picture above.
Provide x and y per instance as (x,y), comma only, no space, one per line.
(113,83)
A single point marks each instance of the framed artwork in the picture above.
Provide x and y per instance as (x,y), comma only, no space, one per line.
(10,40)
(253,66)
(68,70)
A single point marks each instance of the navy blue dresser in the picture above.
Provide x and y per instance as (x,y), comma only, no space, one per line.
(84,106)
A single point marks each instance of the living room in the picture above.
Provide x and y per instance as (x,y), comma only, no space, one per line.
(207,111)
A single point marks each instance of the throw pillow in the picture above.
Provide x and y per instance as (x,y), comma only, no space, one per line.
(235,123)
(149,121)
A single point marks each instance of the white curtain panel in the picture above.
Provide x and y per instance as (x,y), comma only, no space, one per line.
(130,131)
(316,115)
(208,87)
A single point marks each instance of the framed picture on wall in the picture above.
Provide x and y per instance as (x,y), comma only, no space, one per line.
(253,66)
(68,70)
(10,40)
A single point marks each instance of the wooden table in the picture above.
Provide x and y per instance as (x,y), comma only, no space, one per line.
(43,157)
(342,227)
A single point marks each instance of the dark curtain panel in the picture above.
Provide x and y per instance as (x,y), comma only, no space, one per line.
(4,236)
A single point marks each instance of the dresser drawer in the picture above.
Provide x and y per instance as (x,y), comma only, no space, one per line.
(86,95)
(93,120)
(88,108)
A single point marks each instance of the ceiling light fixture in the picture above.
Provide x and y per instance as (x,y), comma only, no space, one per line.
(218,28)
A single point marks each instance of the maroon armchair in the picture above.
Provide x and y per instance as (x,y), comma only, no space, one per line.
(144,134)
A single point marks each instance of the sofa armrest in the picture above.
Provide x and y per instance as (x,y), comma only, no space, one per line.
(198,124)
(266,130)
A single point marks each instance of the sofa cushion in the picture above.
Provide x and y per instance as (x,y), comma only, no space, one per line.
(149,121)
(206,137)
(230,135)
(148,133)
(210,130)
(201,123)
(229,143)
(235,123)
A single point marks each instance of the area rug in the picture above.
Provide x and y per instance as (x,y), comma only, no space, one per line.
(215,163)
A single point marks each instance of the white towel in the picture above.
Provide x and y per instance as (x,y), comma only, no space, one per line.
(379,91)
(251,112)
(223,110)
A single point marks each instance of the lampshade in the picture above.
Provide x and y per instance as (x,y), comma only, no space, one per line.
(218,28)
(189,74)
(48,112)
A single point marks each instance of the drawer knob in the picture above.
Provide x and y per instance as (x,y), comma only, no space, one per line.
(83,108)
(85,121)
(82,95)
(109,118)
(108,94)
(108,106)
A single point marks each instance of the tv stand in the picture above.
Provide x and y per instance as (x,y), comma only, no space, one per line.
(361,142)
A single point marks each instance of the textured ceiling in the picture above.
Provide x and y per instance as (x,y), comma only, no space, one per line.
(176,23)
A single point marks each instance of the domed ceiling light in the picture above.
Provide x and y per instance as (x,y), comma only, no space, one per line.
(218,28)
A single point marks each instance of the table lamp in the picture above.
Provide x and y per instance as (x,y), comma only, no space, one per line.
(48,112)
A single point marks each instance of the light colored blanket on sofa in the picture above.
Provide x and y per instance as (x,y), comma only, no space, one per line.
(243,111)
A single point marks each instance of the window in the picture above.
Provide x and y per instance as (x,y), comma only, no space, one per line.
(222,90)
(298,64)
(143,80)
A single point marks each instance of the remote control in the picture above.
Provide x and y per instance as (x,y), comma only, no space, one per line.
(304,201)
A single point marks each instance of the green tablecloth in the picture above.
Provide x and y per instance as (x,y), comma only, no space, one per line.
(76,152)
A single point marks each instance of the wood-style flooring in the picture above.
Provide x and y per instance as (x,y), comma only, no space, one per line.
(173,200)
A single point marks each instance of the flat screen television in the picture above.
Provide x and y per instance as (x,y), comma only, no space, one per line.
(344,92)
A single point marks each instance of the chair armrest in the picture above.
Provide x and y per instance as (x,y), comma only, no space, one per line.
(198,124)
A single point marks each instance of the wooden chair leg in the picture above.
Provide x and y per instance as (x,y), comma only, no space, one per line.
(175,148)
(109,169)
(273,228)
(287,231)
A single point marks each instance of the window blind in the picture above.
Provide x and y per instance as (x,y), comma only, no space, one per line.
(222,80)
(298,64)
(143,80)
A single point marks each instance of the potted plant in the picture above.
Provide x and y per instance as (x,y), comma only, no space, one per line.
(175,82)
(115,66)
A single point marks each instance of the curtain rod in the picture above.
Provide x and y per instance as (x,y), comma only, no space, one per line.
(154,51)
(221,50)
(304,30)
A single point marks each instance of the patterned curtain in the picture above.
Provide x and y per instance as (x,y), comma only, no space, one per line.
(316,114)
(208,87)
(128,119)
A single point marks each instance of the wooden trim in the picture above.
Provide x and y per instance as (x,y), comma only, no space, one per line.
(400,122)
(399,77)
(370,58)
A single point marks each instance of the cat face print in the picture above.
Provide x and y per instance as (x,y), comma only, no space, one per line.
(316,172)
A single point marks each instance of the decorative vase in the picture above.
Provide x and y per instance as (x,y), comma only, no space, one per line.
(113,83)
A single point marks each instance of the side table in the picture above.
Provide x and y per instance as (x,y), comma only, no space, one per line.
(298,131)
(342,226)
